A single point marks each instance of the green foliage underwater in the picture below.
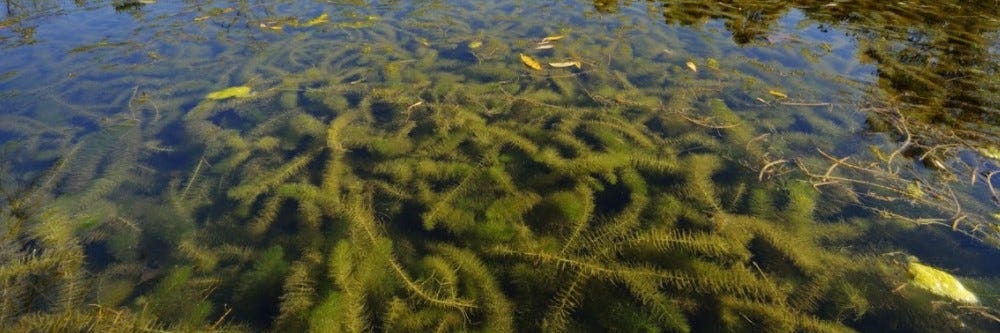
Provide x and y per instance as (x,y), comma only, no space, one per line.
(499,166)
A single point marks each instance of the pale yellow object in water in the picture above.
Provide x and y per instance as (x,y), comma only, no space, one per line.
(231,92)
(940,283)
(990,152)
(565,64)
(552,38)
(530,62)
(322,18)
(777,94)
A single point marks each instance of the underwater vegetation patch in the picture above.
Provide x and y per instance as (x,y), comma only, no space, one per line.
(484,167)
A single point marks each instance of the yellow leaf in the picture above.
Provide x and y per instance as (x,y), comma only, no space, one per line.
(990,152)
(323,18)
(475,44)
(530,62)
(777,94)
(565,64)
(544,46)
(940,283)
(552,38)
(692,66)
(231,92)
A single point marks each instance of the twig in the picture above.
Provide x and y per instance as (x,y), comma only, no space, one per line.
(804,104)
(760,176)
(194,175)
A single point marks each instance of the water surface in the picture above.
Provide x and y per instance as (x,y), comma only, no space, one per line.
(499,166)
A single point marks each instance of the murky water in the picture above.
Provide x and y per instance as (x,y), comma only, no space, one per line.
(496,166)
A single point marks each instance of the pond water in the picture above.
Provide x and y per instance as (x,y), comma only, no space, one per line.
(500,166)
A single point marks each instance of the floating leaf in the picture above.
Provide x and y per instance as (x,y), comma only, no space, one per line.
(475,44)
(323,18)
(231,92)
(692,66)
(270,27)
(530,62)
(565,64)
(550,39)
(777,94)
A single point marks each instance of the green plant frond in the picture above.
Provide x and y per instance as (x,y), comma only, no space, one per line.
(203,258)
(558,316)
(266,216)
(575,146)
(700,187)
(450,322)
(654,163)
(249,191)
(801,201)
(441,274)
(774,318)
(561,262)
(708,245)
(442,171)
(296,298)
(808,296)
(497,308)
(504,181)
(633,134)
(798,250)
(597,163)
(391,190)
(638,196)
(578,208)
(403,317)
(362,220)
(443,205)
(510,209)
(667,312)
(496,133)
(398,170)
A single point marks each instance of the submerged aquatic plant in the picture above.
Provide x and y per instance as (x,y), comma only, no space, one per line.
(418,177)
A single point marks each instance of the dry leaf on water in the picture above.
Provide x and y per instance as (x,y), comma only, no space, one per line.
(530,62)
(550,39)
(565,64)
(777,94)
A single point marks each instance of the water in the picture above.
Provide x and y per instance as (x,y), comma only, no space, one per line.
(400,166)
